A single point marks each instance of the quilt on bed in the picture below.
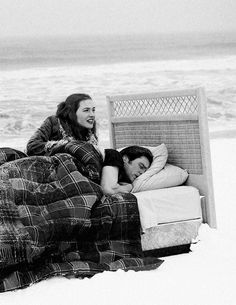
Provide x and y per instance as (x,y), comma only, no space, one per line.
(55,221)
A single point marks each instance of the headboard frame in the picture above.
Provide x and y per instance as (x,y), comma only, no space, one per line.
(176,118)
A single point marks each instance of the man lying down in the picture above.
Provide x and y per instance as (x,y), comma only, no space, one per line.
(120,169)
(55,219)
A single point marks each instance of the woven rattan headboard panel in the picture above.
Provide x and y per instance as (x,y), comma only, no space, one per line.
(176,118)
(181,138)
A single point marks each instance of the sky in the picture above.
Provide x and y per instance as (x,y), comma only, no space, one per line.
(89,17)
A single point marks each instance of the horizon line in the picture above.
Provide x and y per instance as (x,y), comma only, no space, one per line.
(109,35)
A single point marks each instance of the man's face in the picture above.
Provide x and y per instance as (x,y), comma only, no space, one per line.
(136,167)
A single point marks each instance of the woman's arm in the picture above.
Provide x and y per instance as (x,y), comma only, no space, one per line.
(39,143)
(109,181)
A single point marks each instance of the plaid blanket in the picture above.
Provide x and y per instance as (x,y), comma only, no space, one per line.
(88,159)
(9,154)
(55,221)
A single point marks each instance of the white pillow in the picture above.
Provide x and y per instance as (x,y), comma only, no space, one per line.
(169,176)
(160,156)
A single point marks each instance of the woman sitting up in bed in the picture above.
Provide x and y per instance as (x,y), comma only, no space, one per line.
(73,131)
(74,120)
(120,169)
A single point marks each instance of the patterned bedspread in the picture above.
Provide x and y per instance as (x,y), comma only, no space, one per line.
(55,221)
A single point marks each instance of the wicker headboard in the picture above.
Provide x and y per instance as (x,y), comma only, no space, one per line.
(176,118)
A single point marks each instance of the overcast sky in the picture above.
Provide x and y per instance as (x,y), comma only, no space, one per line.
(76,17)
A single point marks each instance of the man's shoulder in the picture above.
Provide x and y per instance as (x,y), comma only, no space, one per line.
(113,157)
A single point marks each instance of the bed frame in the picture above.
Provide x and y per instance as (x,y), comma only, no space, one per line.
(176,118)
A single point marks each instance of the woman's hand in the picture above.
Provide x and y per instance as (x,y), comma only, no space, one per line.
(54,147)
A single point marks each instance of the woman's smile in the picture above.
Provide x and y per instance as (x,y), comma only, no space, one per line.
(86,113)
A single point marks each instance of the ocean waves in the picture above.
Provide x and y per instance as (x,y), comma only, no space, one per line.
(29,94)
(20,53)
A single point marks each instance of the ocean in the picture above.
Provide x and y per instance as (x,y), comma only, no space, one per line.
(92,50)
(38,73)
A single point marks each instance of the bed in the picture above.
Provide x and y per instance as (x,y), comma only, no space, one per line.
(178,119)
(55,220)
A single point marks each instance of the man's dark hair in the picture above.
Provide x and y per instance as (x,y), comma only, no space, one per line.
(133,152)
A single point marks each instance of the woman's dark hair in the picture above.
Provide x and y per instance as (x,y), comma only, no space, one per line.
(133,152)
(66,112)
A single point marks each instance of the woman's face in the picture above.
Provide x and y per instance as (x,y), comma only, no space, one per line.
(86,113)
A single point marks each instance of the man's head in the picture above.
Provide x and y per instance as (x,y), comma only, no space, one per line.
(137,160)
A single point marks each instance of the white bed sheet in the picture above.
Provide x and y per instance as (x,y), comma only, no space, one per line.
(168,205)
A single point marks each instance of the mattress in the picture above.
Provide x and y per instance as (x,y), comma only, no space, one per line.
(168,205)
(170,234)
(169,217)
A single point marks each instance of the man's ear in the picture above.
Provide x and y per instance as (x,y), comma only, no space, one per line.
(125,159)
